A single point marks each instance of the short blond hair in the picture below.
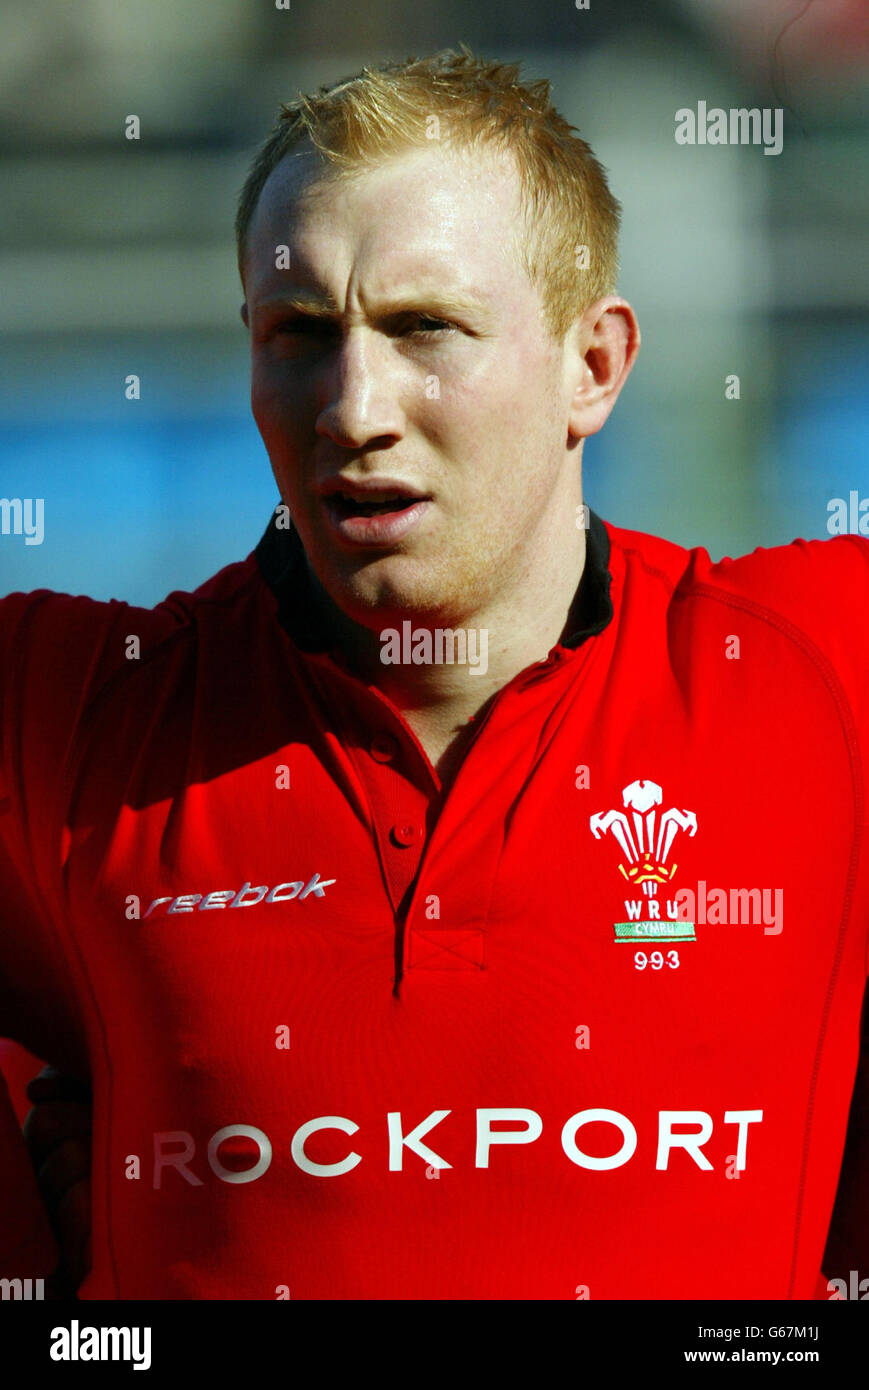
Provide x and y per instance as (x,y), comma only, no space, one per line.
(383,111)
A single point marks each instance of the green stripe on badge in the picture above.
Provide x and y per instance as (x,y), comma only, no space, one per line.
(654,931)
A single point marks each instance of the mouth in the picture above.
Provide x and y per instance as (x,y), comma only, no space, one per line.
(343,506)
(374,515)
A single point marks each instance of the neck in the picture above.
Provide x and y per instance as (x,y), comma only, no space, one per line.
(512,631)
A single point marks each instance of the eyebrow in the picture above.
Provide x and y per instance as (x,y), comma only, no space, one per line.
(440,302)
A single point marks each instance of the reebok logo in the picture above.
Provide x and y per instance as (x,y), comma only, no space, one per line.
(247,896)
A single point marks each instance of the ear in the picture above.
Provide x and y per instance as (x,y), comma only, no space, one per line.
(603,345)
(244,315)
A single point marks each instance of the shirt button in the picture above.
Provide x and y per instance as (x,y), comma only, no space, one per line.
(407,835)
(383,748)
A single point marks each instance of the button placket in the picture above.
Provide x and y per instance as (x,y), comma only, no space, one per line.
(407,834)
(383,748)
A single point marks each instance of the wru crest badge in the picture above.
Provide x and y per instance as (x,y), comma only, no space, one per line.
(645,839)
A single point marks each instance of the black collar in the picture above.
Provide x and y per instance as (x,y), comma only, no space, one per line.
(281,561)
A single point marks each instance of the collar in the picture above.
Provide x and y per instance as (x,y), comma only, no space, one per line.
(281,560)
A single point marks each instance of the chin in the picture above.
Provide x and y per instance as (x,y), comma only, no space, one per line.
(380,591)
(385,605)
(385,601)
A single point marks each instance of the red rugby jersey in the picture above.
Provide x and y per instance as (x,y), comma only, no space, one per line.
(345,1047)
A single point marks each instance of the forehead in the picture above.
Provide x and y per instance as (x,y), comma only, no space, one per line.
(439,206)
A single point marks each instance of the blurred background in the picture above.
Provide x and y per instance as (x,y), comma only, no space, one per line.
(117,257)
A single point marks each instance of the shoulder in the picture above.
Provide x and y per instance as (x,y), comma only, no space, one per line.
(60,653)
(88,634)
(817,587)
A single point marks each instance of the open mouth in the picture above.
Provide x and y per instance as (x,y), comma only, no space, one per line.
(344,506)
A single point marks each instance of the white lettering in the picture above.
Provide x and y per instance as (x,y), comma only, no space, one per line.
(75,1343)
(743,1118)
(667,1140)
(397,1140)
(163,1160)
(486,1136)
(248,1174)
(587,1117)
(323,1170)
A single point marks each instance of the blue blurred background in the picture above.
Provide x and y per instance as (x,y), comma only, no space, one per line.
(118,257)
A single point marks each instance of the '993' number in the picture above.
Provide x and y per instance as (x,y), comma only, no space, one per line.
(655,960)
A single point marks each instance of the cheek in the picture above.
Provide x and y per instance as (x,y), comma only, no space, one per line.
(488,431)
(271,404)
(502,396)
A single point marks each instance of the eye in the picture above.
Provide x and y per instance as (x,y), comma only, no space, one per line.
(306,325)
(429,327)
(300,337)
(417,326)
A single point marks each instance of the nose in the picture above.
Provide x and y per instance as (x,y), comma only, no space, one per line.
(359,392)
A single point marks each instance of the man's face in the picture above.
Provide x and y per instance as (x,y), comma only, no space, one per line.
(429,368)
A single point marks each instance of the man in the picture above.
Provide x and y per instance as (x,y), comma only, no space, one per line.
(368,884)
